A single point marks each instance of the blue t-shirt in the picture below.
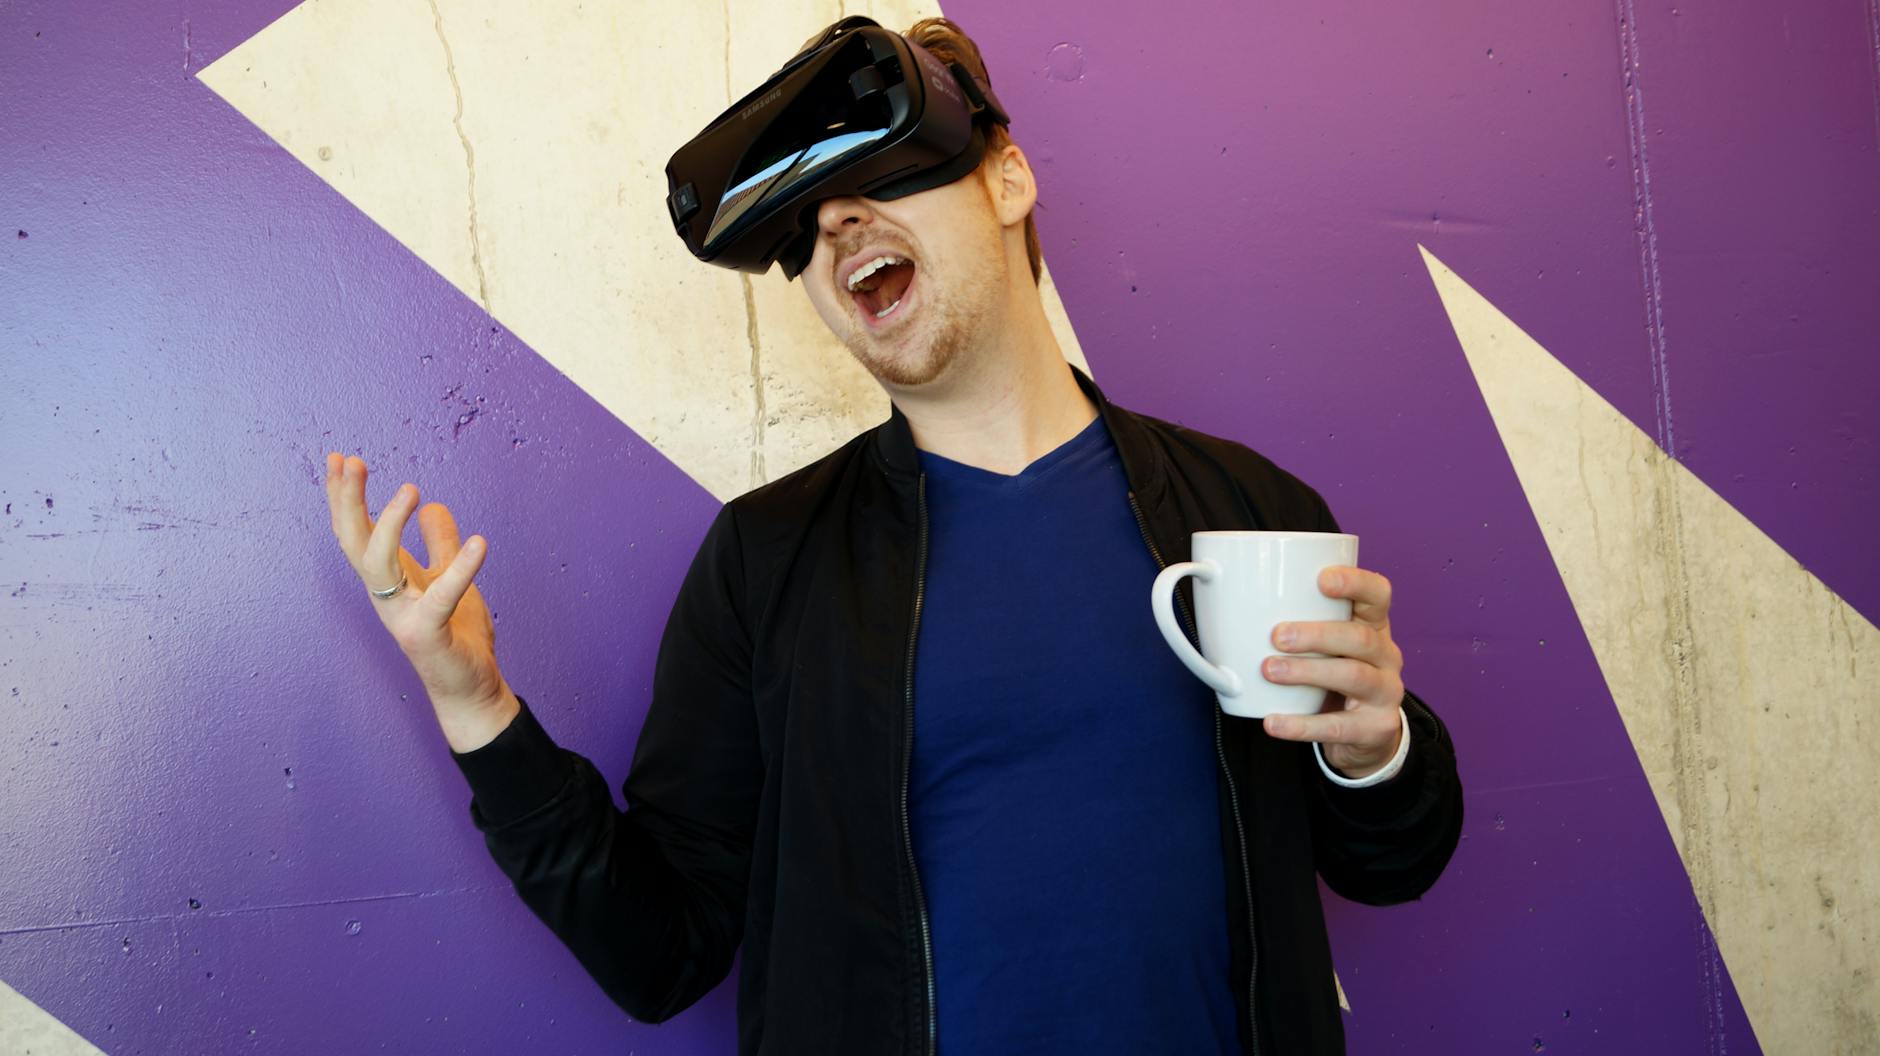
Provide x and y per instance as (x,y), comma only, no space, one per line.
(1062,798)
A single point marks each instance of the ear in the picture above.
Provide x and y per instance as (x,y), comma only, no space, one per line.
(1009,184)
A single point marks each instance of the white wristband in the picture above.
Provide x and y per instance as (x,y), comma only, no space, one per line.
(1389,769)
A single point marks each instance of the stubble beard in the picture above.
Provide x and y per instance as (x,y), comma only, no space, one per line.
(918,354)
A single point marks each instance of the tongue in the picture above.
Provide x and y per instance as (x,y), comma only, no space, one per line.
(890,283)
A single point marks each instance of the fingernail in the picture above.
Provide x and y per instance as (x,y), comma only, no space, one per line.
(1277,668)
(1285,634)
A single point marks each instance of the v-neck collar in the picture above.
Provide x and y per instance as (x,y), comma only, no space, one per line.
(942,466)
(891,446)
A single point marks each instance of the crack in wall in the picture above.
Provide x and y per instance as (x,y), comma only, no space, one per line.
(1688,762)
(725,6)
(1644,224)
(76,925)
(758,473)
(1687,738)
(469,158)
(1873,31)
(1840,608)
(1586,488)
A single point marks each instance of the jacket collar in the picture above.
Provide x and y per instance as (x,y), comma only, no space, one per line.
(900,459)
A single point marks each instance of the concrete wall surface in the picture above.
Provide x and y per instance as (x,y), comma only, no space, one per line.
(1569,309)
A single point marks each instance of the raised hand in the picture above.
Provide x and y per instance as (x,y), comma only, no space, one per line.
(438,618)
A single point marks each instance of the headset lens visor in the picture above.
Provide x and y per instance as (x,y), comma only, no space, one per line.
(823,127)
(861,112)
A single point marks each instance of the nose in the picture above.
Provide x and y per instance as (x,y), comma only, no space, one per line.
(833,214)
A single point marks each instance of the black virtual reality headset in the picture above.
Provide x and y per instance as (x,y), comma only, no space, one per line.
(861,110)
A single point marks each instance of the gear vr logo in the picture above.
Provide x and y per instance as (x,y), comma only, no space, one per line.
(937,75)
(769,97)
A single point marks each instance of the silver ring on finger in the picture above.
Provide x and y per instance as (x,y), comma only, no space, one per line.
(391,590)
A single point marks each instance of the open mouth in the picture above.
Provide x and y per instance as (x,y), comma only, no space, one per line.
(879,286)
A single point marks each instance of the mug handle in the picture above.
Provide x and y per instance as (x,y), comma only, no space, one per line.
(1162,600)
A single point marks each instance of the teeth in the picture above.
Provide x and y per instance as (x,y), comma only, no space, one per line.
(888,309)
(863,272)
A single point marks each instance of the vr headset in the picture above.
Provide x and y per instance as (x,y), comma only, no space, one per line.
(861,110)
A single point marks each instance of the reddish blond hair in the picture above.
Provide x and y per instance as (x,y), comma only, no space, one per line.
(949,43)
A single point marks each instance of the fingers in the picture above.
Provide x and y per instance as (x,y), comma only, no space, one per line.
(439,529)
(1363,664)
(1369,592)
(1366,727)
(441,597)
(346,502)
(374,549)
(1362,641)
(373,554)
(380,560)
(1357,680)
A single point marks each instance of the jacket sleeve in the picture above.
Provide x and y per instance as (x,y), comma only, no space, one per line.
(1388,842)
(651,899)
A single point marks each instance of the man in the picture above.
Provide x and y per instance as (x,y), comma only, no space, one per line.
(914,741)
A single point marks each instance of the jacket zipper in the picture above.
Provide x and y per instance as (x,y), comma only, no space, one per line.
(907,758)
(1233,799)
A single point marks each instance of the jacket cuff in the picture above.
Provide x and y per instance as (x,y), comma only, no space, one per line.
(513,775)
(1390,802)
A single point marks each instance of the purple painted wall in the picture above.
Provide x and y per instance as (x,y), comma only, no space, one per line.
(197,715)
(227,820)
(1232,197)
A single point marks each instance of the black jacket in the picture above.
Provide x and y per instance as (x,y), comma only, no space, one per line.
(767,797)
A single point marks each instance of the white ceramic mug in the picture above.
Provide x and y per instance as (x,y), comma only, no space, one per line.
(1246,583)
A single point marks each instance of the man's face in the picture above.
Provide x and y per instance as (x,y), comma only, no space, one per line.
(910,318)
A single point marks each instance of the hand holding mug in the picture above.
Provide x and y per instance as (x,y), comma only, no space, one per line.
(1294,606)
(1361,670)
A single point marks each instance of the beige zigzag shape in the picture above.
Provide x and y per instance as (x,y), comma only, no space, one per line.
(25,1027)
(520,150)
(1747,687)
